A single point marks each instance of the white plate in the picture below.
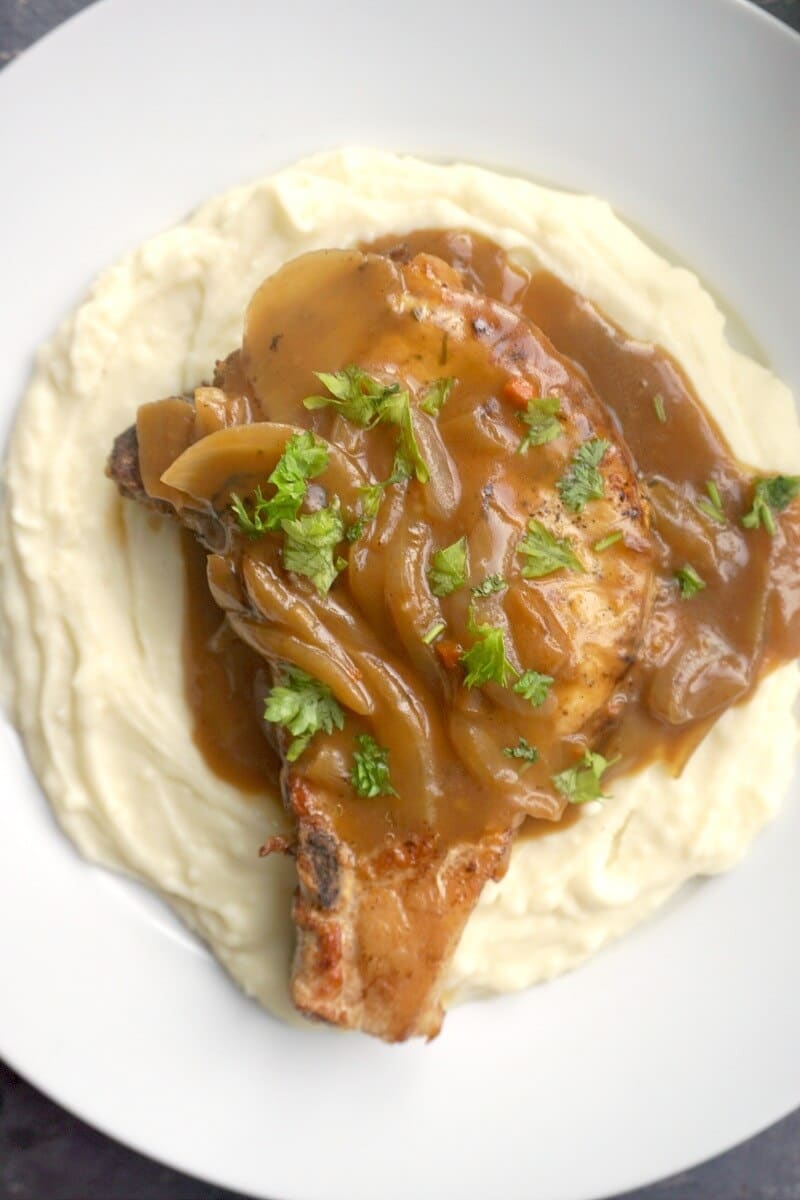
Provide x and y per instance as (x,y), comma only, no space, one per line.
(673,1044)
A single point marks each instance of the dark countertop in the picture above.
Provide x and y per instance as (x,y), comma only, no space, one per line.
(46,1154)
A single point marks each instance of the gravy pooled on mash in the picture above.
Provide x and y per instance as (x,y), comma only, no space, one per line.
(437,534)
(452,546)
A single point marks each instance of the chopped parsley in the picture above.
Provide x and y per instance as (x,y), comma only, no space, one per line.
(608,540)
(448,569)
(689,581)
(583,481)
(771,495)
(486,660)
(397,411)
(581,783)
(433,632)
(658,405)
(712,504)
(370,771)
(370,500)
(304,457)
(355,529)
(534,687)
(524,751)
(366,401)
(310,542)
(545,553)
(541,418)
(435,396)
(357,395)
(490,585)
(304,706)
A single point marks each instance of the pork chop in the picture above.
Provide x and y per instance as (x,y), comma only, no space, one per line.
(493,442)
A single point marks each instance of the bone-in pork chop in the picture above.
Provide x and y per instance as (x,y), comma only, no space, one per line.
(464,681)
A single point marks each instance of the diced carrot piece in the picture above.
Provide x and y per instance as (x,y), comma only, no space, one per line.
(449,652)
(519,391)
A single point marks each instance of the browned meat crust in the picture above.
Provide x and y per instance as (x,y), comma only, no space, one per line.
(123,466)
(375,935)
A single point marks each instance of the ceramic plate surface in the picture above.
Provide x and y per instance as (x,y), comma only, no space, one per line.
(676,1042)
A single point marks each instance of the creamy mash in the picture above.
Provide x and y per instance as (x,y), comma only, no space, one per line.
(91,586)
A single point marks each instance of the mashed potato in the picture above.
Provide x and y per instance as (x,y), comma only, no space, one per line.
(92,587)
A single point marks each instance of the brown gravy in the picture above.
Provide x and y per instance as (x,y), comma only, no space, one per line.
(698,656)
(225,685)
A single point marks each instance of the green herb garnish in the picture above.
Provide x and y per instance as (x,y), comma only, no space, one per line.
(712,505)
(370,500)
(357,395)
(448,569)
(581,783)
(486,660)
(304,457)
(541,418)
(397,411)
(658,405)
(771,495)
(534,687)
(689,581)
(607,541)
(583,481)
(366,401)
(545,553)
(490,585)
(310,542)
(370,771)
(304,706)
(524,751)
(436,395)
(433,632)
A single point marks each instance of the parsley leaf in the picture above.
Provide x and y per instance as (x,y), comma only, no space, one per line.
(303,458)
(689,581)
(354,531)
(607,541)
(712,506)
(524,751)
(304,706)
(357,395)
(658,405)
(581,783)
(486,660)
(436,395)
(771,495)
(366,401)
(583,482)
(448,569)
(397,411)
(371,498)
(545,553)
(370,772)
(533,686)
(310,541)
(490,585)
(541,418)
(434,632)
(252,523)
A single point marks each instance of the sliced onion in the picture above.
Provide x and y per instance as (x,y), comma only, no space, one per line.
(239,458)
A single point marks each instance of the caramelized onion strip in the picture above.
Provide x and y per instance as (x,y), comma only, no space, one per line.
(408,597)
(240,457)
(337,646)
(484,759)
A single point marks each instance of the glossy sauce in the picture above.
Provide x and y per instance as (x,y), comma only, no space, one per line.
(696,657)
(226,683)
